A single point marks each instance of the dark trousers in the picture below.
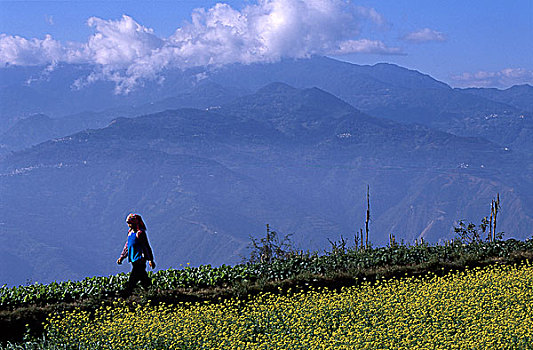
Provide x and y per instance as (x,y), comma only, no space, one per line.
(138,273)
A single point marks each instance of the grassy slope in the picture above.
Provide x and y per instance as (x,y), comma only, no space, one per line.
(18,320)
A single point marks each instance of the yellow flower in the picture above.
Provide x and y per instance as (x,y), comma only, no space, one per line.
(480,308)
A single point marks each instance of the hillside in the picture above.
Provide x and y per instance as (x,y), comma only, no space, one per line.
(209,157)
(299,159)
(342,266)
(391,314)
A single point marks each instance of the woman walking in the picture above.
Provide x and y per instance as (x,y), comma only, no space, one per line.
(138,251)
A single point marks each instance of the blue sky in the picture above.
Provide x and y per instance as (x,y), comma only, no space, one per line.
(463,43)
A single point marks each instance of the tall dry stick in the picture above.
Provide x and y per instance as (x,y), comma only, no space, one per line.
(367,213)
(491,233)
(496,207)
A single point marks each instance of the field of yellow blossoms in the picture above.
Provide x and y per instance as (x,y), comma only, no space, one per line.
(481,308)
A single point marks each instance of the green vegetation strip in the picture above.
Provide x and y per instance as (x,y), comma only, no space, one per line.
(206,276)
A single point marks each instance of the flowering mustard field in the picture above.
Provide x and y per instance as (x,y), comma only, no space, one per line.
(482,308)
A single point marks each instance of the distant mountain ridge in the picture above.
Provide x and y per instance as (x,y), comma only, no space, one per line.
(382,90)
(518,96)
(389,91)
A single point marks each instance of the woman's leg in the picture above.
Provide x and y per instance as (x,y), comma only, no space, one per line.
(138,273)
(145,280)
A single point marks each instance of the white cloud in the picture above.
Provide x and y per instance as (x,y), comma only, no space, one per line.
(425,35)
(127,52)
(371,14)
(367,46)
(20,51)
(118,44)
(266,32)
(502,79)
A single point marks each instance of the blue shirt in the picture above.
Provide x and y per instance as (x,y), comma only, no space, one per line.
(137,248)
(135,251)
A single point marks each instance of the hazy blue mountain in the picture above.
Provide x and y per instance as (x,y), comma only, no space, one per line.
(62,91)
(382,90)
(299,159)
(208,162)
(393,92)
(518,96)
(37,128)
(327,74)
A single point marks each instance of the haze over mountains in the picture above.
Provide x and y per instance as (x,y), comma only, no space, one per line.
(211,157)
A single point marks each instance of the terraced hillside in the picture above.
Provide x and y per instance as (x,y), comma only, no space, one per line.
(451,278)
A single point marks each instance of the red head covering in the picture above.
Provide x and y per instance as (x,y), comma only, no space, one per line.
(137,222)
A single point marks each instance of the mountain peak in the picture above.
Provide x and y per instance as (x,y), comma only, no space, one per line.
(276,98)
(276,88)
(521,87)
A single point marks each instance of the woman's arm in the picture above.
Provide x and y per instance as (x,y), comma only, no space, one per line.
(147,250)
(124,254)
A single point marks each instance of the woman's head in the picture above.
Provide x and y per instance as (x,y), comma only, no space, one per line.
(135,222)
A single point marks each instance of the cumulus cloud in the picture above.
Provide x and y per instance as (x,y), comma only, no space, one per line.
(118,44)
(424,35)
(20,51)
(367,46)
(127,52)
(371,14)
(502,79)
